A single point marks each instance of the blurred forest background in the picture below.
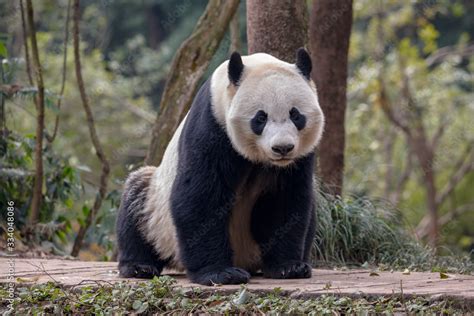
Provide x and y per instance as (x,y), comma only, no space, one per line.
(409,130)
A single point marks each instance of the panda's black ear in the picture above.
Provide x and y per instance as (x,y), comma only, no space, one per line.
(235,68)
(303,62)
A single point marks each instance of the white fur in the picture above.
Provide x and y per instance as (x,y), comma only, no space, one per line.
(159,228)
(275,87)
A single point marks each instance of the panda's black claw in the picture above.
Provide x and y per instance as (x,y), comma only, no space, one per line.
(288,270)
(229,275)
(139,270)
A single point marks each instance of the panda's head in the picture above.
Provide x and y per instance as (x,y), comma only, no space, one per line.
(268,107)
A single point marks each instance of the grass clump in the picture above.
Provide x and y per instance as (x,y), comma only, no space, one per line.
(357,231)
(161,295)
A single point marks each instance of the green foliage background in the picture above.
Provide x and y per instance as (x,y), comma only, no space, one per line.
(127,50)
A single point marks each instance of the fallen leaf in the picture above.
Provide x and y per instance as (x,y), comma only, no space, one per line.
(243,298)
(406,272)
(443,275)
(27,280)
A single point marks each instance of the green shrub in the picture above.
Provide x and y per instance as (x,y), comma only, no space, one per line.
(358,231)
(61,183)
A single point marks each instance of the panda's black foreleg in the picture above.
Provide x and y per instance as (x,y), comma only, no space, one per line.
(281,224)
(309,240)
(204,241)
(282,240)
(201,211)
(137,258)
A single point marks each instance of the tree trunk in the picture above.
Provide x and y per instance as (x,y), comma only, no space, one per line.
(38,185)
(93,134)
(330,29)
(425,158)
(188,67)
(25,42)
(277,28)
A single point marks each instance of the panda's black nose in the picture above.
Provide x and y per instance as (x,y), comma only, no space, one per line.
(283,149)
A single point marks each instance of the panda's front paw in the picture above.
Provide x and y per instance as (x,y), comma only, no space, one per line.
(288,270)
(229,275)
(139,270)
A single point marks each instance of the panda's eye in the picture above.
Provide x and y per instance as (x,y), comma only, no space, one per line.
(261,117)
(258,122)
(297,118)
(294,114)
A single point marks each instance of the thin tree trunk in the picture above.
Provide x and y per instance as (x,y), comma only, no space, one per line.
(63,80)
(425,158)
(330,29)
(93,134)
(38,184)
(188,67)
(277,27)
(25,40)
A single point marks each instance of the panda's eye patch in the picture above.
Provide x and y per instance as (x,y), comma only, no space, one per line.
(258,122)
(297,118)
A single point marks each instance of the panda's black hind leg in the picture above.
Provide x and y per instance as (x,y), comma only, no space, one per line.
(137,257)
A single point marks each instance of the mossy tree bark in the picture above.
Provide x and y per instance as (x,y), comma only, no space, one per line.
(188,67)
(330,29)
(276,27)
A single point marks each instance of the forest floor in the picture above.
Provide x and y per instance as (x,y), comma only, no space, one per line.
(351,284)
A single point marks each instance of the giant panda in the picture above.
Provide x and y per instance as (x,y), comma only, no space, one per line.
(234,194)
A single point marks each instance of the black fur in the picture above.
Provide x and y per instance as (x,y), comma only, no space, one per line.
(281,221)
(235,68)
(303,62)
(137,258)
(310,235)
(203,194)
(297,118)
(258,122)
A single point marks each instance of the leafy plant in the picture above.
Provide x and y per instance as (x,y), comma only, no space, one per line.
(162,295)
(358,231)
(61,187)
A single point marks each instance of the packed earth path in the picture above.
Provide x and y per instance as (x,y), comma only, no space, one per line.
(354,283)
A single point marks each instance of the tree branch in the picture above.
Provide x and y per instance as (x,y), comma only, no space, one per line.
(93,134)
(422,230)
(188,66)
(464,165)
(439,134)
(63,80)
(234,29)
(447,51)
(387,108)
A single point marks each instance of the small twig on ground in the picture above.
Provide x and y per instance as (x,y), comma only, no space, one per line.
(402,297)
(41,268)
